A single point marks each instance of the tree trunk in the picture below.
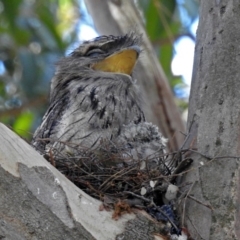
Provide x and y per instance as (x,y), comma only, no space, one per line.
(214,123)
(118,18)
(38,202)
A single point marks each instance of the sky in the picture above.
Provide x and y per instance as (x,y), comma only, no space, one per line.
(182,63)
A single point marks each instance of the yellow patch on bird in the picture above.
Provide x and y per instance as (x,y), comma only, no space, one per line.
(121,62)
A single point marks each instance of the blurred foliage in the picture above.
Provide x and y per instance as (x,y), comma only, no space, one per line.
(22,123)
(35,34)
(166,22)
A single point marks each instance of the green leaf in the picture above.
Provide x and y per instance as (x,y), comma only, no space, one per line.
(23,124)
(11,9)
(11,18)
(159,15)
(2,89)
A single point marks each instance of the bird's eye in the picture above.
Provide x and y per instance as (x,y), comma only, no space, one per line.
(94,52)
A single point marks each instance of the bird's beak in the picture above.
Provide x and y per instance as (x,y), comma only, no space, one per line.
(121,62)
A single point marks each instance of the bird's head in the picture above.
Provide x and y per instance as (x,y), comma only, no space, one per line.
(109,53)
(97,58)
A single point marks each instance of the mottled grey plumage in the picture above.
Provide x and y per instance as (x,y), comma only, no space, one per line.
(87,105)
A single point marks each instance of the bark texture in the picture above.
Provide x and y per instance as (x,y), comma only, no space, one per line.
(117,17)
(214,123)
(38,202)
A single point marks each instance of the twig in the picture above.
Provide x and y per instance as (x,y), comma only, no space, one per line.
(116,175)
(198,201)
(212,158)
(138,196)
(16,111)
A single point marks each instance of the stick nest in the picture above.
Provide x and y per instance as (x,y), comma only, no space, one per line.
(110,172)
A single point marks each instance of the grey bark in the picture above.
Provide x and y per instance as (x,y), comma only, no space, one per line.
(214,123)
(38,202)
(118,17)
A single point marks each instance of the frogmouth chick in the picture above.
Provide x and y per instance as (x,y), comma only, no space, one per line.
(94,95)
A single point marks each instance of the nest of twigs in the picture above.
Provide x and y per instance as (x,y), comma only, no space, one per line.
(109,170)
(120,180)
